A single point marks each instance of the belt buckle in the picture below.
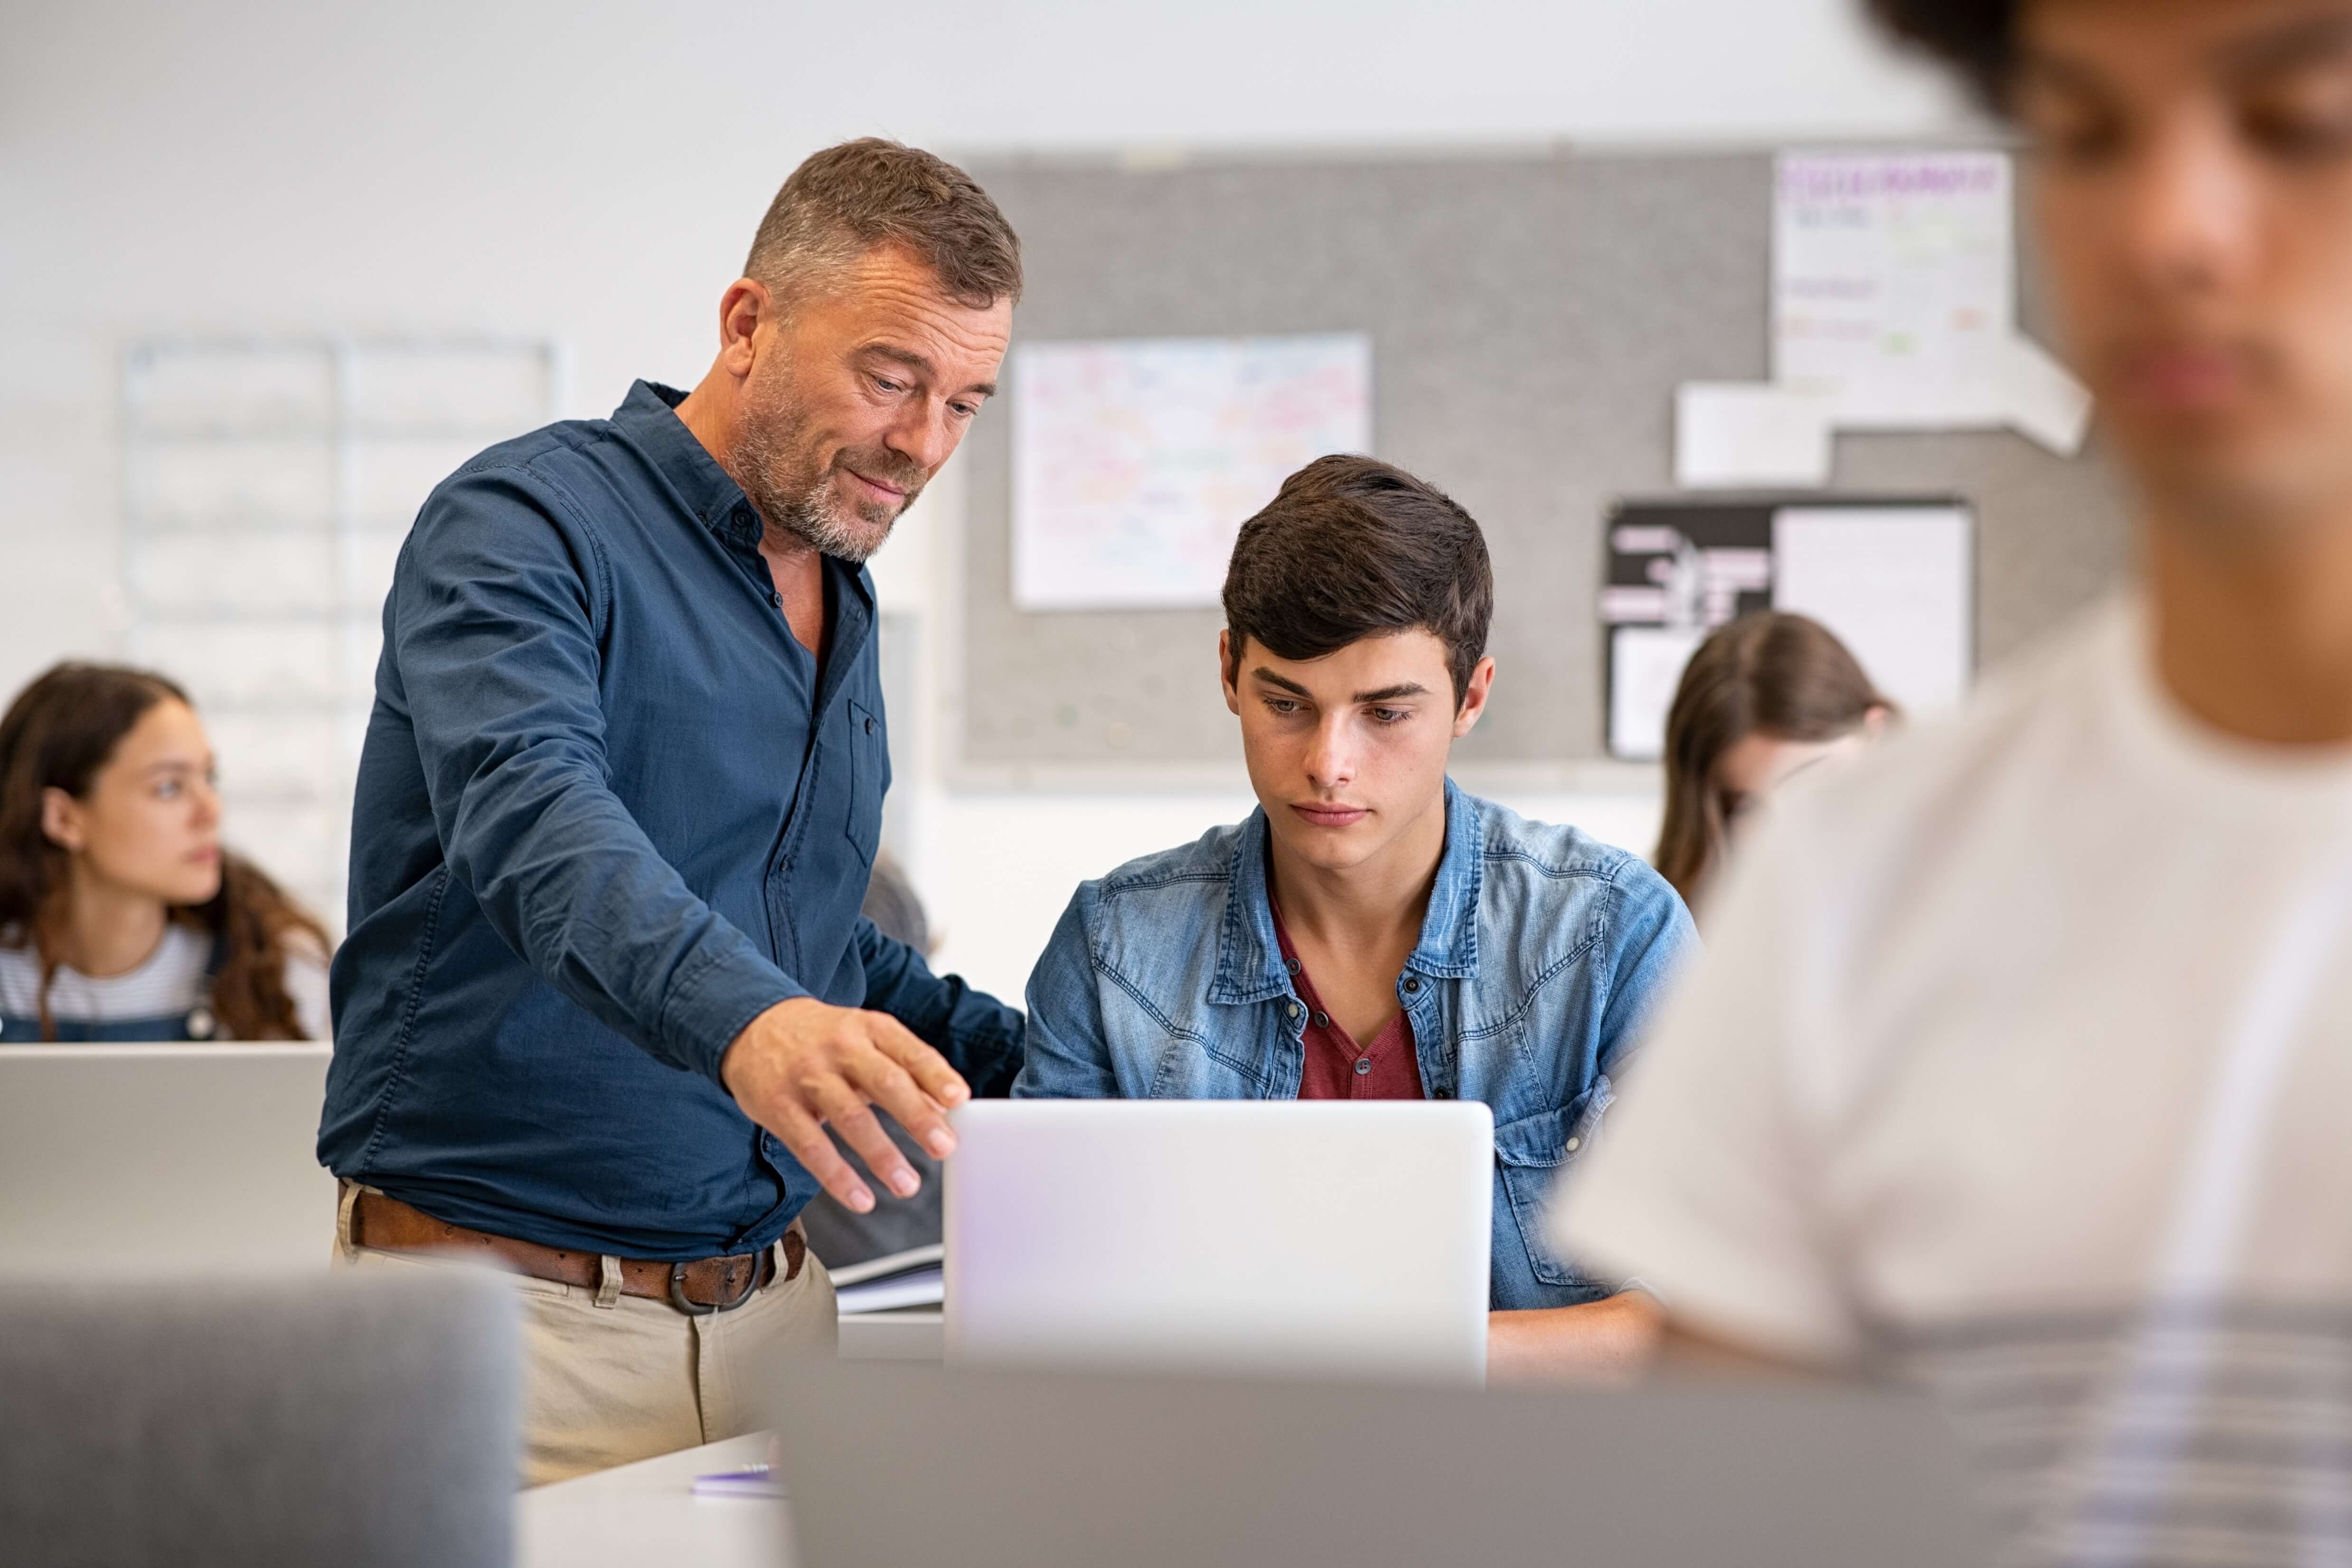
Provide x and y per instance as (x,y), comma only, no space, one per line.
(678,1293)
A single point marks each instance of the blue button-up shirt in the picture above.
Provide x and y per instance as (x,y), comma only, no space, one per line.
(610,809)
(1540,961)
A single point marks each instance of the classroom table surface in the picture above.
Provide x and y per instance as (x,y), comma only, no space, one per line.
(647,1512)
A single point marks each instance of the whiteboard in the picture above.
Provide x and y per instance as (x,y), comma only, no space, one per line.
(1136,461)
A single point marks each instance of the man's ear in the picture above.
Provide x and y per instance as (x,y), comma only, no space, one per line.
(61,819)
(741,309)
(1228,669)
(1474,697)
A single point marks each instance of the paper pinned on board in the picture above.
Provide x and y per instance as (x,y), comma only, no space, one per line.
(1646,664)
(1135,462)
(1894,583)
(1893,308)
(1731,433)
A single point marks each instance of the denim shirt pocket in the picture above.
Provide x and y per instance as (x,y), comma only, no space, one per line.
(869,752)
(1531,1154)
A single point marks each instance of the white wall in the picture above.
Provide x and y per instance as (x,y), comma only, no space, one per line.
(591,172)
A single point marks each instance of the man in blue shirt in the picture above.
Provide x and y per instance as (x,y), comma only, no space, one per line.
(606,981)
(1371,931)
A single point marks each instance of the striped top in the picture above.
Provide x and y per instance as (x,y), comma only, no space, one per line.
(165,986)
(2181,1434)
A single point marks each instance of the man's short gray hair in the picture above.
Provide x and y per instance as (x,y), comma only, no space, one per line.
(846,200)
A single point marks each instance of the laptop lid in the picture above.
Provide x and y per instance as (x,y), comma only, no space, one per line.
(1322,1236)
(887,1464)
(182,1157)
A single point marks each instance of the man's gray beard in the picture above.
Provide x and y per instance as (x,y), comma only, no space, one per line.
(798,504)
(806,517)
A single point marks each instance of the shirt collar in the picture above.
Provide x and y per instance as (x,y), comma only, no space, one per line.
(1250,968)
(648,416)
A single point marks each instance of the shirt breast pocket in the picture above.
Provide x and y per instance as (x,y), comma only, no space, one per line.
(1532,1155)
(869,778)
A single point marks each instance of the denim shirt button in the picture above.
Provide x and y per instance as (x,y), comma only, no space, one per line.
(869,726)
(1442,1094)
(1292,1009)
(1411,984)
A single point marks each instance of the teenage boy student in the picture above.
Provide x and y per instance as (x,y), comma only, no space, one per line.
(2021,1057)
(1372,932)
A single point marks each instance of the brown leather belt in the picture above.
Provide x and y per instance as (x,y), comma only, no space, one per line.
(704,1286)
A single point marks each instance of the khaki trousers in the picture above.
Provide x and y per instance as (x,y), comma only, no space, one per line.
(605,1381)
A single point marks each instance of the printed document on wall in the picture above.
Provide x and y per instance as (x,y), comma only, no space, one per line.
(1894,583)
(1136,461)
(1894,294)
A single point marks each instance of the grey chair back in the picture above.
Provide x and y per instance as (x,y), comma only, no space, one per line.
(360,1420)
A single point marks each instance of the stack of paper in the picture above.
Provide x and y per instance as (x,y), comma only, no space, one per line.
(915,1278)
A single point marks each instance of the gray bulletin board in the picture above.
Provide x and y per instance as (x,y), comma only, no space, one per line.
(1531,318)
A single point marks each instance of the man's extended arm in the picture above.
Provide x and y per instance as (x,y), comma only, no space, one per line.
(494,620)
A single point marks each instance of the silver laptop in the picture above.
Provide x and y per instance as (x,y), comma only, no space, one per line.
(170,1156)
(888,1464)
(1325,1237)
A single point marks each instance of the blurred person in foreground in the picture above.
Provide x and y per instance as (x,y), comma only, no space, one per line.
(2020,1057)
(1372,932)
(1765,699)
(607,984)
(121,916)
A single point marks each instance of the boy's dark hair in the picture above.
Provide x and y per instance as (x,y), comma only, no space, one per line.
(1354,547)
(1978,37)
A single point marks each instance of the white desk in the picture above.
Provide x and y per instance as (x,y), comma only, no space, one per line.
(647,1512)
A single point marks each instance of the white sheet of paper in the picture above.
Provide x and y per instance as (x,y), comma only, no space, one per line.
(1894,276)
(2041,397)
(1136,461)
(1894,583)
(1645,665)
(1895,294)
(1733,434)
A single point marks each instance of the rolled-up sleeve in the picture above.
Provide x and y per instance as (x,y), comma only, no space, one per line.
(497,609)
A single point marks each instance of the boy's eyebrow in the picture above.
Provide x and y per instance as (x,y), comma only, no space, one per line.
(2293,44)
(1378,695)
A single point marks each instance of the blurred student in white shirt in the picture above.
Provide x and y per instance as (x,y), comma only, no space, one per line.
(122,918)
(2020,1054)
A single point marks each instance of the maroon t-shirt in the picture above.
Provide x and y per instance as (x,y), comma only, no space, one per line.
(1337,1068)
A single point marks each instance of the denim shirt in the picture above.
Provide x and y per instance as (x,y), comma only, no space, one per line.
(609,810)
(1539,960)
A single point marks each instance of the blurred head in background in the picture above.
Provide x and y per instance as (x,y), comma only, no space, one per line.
(1765,698)
(110,828)
(2191,185)
(866,333)
(1357,605)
